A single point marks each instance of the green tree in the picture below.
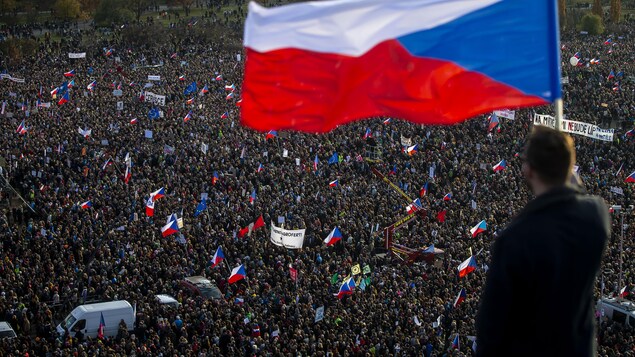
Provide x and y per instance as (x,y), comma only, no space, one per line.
(66,9)
(597,8)
(616,10)
(592,23)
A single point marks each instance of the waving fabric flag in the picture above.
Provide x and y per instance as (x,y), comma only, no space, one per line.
(467,266)
(252,197)
(502,165)
(150,207)
(21,128)
(86,205)
(297,54)
(190,89)
(154,113)
(334,159)
(447,197)
(411,150)
(65,98)
(70,73)
(493,122)
(414,206)
(334,183)
(630,178)
(202,206)
(238,273)
(218,257)
(423,190)
(479,228)
(271,134)
(346,288)
(316,161)
(91,86)
(333,237)
(170,228)
(460,298)
(157,194)
(102,326)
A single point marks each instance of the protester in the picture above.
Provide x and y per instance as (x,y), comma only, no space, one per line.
(63,255)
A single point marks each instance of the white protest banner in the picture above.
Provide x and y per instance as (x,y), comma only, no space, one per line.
(575,127)
(204,148)
(13,79)
(119,105)
(77,55)
(290,238)
(506,113)
(617,190)
(275,238)
(319,314)
(154,98)
(154,78)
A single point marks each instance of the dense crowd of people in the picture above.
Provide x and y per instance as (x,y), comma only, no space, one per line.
(56,255)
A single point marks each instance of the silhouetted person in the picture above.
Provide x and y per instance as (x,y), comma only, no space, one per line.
(538,298)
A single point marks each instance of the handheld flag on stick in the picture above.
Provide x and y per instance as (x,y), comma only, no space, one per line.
(479,228)
(157,194)
(467,266)
(460,298)
(333,237)
(447,197)
(150,207)
(170,228)
(200,207)
(218,257)
(102,326)
(237,274)
(630,178)
(502,165)
(86,205)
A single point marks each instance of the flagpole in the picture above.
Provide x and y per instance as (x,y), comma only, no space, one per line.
(559,108)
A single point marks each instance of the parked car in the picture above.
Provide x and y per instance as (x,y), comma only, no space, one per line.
(167,300)
(6,331)
(200,285)
(618,310)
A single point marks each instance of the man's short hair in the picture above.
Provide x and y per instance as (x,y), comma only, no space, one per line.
(551,154)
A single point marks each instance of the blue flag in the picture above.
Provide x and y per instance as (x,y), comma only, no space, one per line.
(200,208)
(190,89)
(154,113)
(334,159)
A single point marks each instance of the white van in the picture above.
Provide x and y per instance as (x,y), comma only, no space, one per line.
(618,310)
(86,318)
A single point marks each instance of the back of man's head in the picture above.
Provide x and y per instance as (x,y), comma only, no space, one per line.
(550,153)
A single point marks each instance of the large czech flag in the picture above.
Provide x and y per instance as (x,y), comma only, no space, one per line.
(316,65)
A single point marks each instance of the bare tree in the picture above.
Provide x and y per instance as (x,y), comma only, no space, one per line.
(616,10)
(562,12)
(597,8)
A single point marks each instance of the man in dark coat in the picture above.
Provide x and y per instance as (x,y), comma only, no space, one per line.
(538,298)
